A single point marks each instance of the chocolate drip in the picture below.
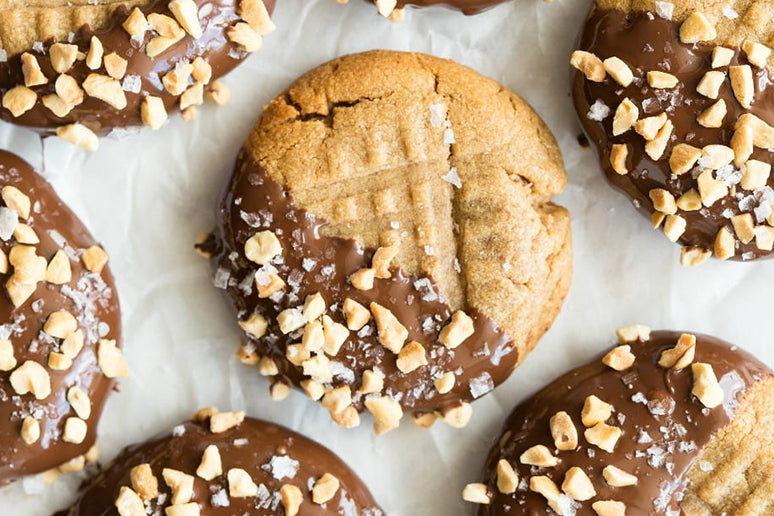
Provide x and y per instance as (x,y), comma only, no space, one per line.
(312,262)
(213,46)
(250,446)
(90,297)
(664,427)
(647,42)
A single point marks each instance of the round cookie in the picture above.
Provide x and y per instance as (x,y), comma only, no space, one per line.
(60,328)
(221,464)
(387,238)
(393,9)
(83,68)
(676,98)
(665,423)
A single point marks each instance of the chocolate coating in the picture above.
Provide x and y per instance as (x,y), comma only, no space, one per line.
(250,446)
(647,399)
(647,42)
(253,202)
(90,297)
(213,46)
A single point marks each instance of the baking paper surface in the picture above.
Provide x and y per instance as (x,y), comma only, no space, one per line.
(146,196)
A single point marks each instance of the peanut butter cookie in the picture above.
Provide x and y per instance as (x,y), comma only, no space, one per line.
(678,100)
(59,331)
(388,240)
(80,68)
(665,423)
(221,464)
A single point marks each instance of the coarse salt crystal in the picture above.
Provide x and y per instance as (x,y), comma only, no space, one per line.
(282,466)
(437,115)
(453,177)
(729,13)
(9,219)
(665,10)
(598,111)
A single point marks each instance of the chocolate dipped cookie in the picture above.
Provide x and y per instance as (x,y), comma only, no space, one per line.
(666,423)
(60,330)
(220,464)
(387,238)
(394,9)
(82,68)
(677,99)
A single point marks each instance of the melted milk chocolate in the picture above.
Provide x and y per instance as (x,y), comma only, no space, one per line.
(250,446)
(214,47)
(90,297)
(646,42)
(664,427)
(314,263)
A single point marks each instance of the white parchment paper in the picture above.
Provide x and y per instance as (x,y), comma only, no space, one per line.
(147,196)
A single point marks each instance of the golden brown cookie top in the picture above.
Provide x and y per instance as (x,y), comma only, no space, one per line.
(221,464)
(60,328)
(664,421)
(376,181)
(81,69)
(677,99)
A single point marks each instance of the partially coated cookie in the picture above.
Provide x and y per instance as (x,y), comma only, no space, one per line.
(60,328)
(665,423)
(83,68)
(220,464)
(677,100)
(387,238)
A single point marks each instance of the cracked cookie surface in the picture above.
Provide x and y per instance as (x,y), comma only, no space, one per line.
(421,159)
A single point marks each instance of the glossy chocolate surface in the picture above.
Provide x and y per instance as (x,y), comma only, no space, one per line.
(664,427)
(266,451)
(647,42)
(312,262)
(214,47)
(90,297)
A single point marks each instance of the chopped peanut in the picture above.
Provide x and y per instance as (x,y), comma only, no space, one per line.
(411,357)
(697,28)
(240,484)
(476,493)
(538,455)
(445,383)
(710,84)
(223,421)
(619,71)
(742,84)
(619,358)
(33,378)
(392,334)
(144,482)
(291,499)
(626,114)
(325,488)
(633,333)
(262,247)
(661,80)
(724,244)
(617,477)
(595,411)
(181,485)
(603,436)
(563,431)
(577,485)
(457,331)
(387,413)
(74,430)
(589,64)
(713,116)
(705,385)
(507,479)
